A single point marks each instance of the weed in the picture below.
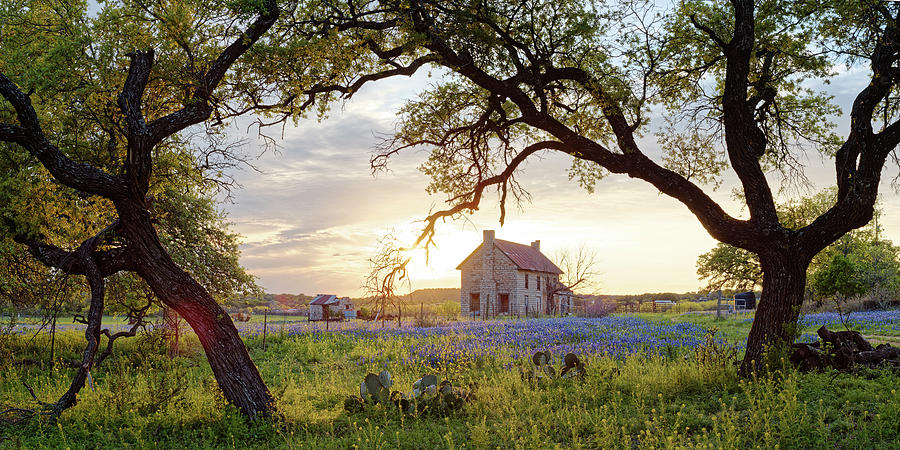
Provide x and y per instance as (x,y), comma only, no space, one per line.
(714,357)
(635,399)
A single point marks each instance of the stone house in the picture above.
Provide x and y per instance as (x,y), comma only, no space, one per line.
(506,278)
(338,308)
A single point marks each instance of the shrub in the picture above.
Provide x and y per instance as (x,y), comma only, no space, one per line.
(708,305)
(598,308)
(714,356)
(425,319)
(687,307)
(449,310)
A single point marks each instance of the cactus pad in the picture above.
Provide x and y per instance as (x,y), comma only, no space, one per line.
(571,360)
(385,379)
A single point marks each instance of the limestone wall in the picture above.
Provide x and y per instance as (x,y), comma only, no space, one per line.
(507,279)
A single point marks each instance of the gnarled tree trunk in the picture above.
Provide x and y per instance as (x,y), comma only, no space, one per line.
(235,372)
(143,253)
(784,283)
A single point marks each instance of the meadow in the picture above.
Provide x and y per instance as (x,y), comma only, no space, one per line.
(652,381)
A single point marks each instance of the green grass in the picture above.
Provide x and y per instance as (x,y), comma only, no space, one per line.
(143,399)
(276,320)
(732,327)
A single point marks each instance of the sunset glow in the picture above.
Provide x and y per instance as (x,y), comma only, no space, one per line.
(313,221)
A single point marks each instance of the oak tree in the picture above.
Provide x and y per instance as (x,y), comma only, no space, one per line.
(115,126)
(100,116)
(731,79)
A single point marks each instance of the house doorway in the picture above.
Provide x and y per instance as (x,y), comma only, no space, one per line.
(504,303)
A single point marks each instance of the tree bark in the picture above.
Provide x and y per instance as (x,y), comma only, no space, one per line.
(92,334)
(234,370)
(231,364)
(784,282)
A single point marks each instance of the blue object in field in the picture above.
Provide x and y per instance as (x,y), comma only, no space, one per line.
(745,300)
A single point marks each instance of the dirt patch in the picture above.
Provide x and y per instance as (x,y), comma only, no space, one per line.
(875,339)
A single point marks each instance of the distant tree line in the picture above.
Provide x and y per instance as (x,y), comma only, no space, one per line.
(860,264)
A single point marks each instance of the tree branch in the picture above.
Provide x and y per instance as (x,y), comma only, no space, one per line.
(354,87)
(745,142)
(859,161)
(139,162)
(631,161)
(137,316)
(95,316)
(108,262)
(473,203)
(708,31)
(30,135)
(199,108)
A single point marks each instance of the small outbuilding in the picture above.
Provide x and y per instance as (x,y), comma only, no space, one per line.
(338,308)
(745,300)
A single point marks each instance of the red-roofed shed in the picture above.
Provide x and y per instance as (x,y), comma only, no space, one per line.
(338,308)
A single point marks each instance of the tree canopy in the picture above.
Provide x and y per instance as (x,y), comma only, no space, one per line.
(731,80)
(71,64)
(113,162)
(103,107)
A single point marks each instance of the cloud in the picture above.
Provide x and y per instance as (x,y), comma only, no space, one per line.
(313,218)
(312,227)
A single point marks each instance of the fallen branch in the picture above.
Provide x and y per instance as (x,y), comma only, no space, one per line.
(31,391)
(842,350)
(12,415)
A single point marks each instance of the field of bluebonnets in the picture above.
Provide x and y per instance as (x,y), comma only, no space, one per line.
(651,381)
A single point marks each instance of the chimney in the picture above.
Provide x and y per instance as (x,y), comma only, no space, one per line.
(536,245)
(488,283)
(487,255)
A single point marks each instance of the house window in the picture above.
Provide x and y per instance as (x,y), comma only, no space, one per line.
(475,302)
(526,282)
(504,303)
(538,282)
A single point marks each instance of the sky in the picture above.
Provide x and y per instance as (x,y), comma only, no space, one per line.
(313,217)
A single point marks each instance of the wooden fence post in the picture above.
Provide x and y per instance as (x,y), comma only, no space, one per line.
(265,326)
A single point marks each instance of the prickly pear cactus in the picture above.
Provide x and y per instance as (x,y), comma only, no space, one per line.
(425,381)
(428,395)
(541,358)
(385,379)
(542,370)
(574,367)
(375,388)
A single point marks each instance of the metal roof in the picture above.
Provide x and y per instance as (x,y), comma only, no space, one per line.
(324,299)
(525,257)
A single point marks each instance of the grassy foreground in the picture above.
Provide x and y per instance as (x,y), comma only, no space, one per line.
(646,395)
